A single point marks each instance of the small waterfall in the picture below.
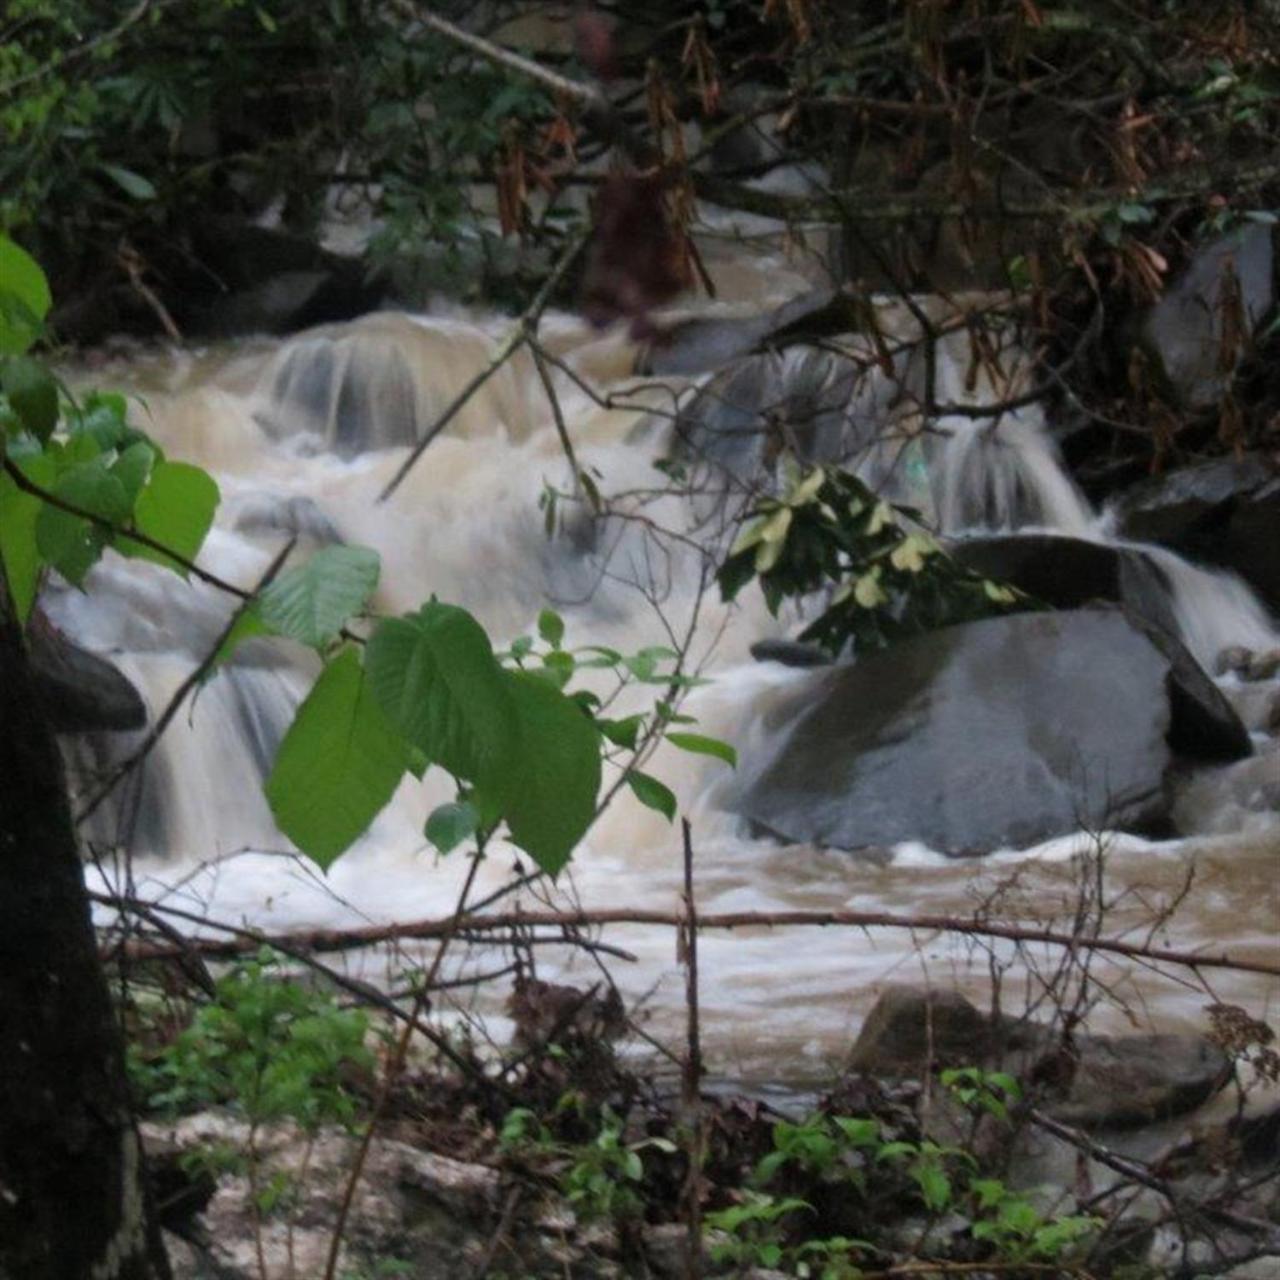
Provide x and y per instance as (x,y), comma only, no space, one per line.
(303,435)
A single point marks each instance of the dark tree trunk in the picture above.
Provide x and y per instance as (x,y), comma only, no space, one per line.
(72,1196)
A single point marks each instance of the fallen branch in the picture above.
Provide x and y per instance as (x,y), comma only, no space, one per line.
(319,940)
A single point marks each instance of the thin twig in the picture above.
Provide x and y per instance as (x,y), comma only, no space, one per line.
(691,1076)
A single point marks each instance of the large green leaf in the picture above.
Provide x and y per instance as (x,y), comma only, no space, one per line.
(24,298)
(437,679)
(312,603)
(551,797)
(18,514)
(338,765)
(176,509)
(32,394)
(71,543)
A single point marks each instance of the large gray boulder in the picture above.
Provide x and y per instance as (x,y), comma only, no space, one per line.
(1069,572)
(991,734)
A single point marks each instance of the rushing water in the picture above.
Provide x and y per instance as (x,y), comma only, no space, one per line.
(303,435)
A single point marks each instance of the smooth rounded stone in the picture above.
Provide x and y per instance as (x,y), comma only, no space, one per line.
(790,653)
(1069,572)
(81,692)
(987,735)
(912,1029)
(1264,666)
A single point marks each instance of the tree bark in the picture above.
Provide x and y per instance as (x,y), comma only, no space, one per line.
(73,1202)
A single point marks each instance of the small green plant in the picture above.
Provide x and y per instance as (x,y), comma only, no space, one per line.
(1016,1229)
(827,1147)
(753,1229)
(267,1047)
(992,1092)
(601,1178)
(886,576)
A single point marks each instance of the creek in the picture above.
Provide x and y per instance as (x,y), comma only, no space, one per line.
(303,434)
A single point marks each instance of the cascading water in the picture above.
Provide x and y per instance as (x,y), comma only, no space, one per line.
(303,436)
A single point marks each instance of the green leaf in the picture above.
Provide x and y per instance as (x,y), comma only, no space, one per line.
(450,824)
(32,393)
(133,467)
(175,509)
(435,675)
(935,1186)
(132,184)
(24,298)
(312,603)
(551,799)
(247,625)
(18,514)
(71,543)
(649,791)
(622,733)
(551,627)
(699,744)
(338,765)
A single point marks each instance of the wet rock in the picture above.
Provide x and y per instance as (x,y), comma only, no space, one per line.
(1226,512)
(912,1030)
(82,692)
(1109,1081)
(1185,328)
(1069,572)
(1264,666)
(433,1212)
(1233,660)
(705,343)
(790,653)
(260,280)
(1273,716)
(1128,1081)
(997,733)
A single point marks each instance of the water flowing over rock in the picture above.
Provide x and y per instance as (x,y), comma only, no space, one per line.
(1226,512)
(991,734)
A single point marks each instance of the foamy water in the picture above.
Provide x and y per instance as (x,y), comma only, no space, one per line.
(304,435)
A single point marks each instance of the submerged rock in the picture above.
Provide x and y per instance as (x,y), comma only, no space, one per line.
(997,733)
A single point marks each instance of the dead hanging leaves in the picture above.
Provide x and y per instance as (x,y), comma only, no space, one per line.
(638,258)
(641,254)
